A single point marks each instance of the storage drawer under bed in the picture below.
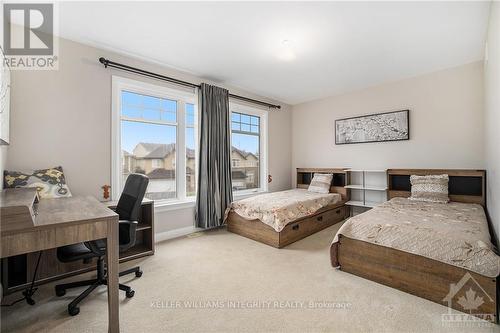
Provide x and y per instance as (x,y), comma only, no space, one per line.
(309,225)
(294,231)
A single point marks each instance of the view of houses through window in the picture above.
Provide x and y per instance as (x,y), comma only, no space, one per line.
(149,139)
(245,140)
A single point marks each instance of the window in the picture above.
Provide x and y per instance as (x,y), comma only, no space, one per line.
(249,145)
(154,133)
(156,163)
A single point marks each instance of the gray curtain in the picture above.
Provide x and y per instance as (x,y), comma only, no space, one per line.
(214,182)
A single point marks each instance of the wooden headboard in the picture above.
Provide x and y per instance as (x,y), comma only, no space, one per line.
(464,186)
(305,175)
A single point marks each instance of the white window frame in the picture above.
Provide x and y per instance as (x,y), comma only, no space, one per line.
(263,149)
(182,97)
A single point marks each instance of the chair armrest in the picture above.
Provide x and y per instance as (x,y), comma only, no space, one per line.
(127,234)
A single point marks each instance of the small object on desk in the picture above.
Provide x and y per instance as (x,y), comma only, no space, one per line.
(18,205)
(105,193)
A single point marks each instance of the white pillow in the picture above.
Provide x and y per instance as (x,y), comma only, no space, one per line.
(321,183)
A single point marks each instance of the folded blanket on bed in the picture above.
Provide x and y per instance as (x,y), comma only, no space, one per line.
(453,233)
(277,209)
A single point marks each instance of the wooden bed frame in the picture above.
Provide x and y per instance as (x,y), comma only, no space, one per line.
(427,278)
(300,228)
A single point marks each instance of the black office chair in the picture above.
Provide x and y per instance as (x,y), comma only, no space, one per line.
(128,209)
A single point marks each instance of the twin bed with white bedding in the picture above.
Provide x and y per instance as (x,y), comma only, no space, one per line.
(277,209)
(281,218)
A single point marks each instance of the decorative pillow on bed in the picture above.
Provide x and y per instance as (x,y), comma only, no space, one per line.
(321,183)
(50,183)
(431,188)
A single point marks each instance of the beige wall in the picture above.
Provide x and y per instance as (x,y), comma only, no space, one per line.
(64,118)
(446,124)
(492,116)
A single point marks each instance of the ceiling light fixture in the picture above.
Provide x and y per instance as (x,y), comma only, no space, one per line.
(286,52)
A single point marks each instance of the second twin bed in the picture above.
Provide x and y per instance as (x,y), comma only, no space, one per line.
(428,249)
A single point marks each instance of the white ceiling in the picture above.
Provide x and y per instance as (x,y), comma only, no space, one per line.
(337,47)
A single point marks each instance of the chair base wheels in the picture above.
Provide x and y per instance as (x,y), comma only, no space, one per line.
(73,311)
(92,284)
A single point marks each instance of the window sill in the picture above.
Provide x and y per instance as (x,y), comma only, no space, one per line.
(247,194)
(166,206)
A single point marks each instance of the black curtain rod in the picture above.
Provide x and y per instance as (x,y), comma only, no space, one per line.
(108,63)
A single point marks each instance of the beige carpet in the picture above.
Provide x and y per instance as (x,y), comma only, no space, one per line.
(218,269)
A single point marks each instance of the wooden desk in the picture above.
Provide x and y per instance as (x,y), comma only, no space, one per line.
(64,221)
(17,272)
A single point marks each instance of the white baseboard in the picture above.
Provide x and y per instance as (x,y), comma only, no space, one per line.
(162,236)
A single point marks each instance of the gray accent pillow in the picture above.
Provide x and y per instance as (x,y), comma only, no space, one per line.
(50,183)
(431,188)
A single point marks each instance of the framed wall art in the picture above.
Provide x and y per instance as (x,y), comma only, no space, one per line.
(379,127)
